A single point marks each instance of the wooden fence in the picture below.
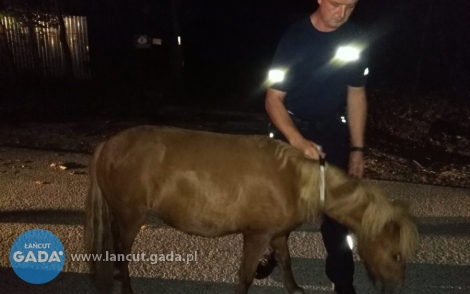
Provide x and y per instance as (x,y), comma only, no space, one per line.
(17,50)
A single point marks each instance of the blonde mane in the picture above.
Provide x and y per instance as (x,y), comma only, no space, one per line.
(349,196)
(308,174)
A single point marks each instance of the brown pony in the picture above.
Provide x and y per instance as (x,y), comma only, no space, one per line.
(211,185)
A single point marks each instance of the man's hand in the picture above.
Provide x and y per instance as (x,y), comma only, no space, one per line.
(356,164)
(281,119)
(308,148)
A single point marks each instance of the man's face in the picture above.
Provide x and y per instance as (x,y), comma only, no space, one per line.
(334,13)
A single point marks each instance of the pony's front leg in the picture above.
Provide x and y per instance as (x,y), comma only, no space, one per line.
(281,253)
(253,248)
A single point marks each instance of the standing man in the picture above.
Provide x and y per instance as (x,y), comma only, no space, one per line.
(317,97)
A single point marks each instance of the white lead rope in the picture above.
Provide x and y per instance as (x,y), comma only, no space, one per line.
(322,177)
(349,238)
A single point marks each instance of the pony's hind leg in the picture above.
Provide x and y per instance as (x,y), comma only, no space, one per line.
(126,230)
(281,253)
(253,248)
(117,249)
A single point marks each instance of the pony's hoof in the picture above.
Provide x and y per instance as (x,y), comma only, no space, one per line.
(265,266)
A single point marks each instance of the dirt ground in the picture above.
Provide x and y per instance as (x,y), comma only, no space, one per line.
(419,139)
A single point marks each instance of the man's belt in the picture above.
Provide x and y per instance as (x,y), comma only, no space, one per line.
(318,123)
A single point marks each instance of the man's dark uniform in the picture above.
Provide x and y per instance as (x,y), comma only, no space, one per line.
(316,90)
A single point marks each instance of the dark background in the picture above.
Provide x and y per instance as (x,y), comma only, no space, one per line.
(418,46)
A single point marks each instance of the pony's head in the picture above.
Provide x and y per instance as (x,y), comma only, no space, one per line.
(387,243)
(386,233)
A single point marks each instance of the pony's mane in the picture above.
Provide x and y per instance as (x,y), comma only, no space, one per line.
(350,195)
(308,176)
(353,195)
(381,212)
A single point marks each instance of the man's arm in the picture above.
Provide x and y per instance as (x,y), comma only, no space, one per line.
(357,115)
(276,110)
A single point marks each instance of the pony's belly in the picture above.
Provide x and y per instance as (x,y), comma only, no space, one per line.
(200,227)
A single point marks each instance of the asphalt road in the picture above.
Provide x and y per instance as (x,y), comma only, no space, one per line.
(35,195)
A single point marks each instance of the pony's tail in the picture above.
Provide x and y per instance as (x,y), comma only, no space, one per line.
(98,235)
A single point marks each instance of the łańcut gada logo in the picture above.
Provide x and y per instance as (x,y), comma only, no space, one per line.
(37,256)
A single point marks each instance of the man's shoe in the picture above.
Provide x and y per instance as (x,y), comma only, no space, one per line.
(266,266)
(342,289)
